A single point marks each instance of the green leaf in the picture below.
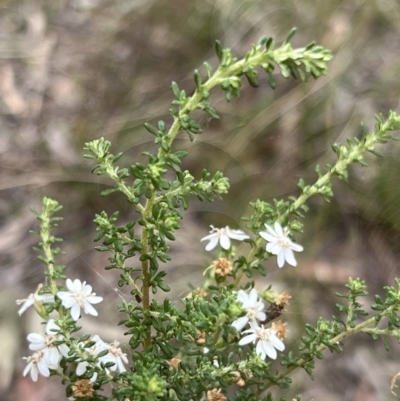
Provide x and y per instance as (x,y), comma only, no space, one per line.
(290,36)
(219,50)
(150,129)
(164,287)
(109,191)
(197,79)
(175,89)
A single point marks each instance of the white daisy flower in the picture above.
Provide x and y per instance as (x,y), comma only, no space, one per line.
(115,355)
(79,296)
(44,343)
(34,298)
(223,236)
(266,339)
(280,244)
(94,350)
(37,364)
(254,309)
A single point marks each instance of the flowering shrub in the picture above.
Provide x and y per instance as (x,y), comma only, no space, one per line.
(221,340)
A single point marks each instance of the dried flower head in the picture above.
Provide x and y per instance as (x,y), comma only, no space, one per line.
(280,328)
(238,379)
(197,291)
(283,299)
(83,388)
(215,395)
(201,338)
(222,267)
(174,363)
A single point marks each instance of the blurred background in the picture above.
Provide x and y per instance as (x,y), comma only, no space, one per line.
(75,70)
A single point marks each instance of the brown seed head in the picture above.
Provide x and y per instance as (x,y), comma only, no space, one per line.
(280,328)
(197,291)
(83,388)
(174,362)
(237,378)
(283,299)
(215,395)
(201,338)
(222,267)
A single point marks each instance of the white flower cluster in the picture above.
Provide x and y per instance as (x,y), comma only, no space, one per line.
(266,339)
(279,243)
(114,355)
(47,355)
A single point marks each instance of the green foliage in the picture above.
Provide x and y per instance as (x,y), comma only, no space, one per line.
(192,351)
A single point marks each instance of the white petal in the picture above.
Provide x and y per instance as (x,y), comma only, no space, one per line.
(277,343)
(124,358)
(260,350)
(297,247)
(37,346)
(281,258)
(209,237)
(261,316)
(274,248)
(278,229)
(271,230)
(248,339)
(242,296)
(35,338)
(121,367)
(212,244)
(240,323)
(81,368)
(64,349)
(268,237)
(70,285)
(100,343)
(28,367)
(52,356)
(90,310)
(237,234)
(225,242)
(43,368)
(94,299)
(52,327)
(269,349)
(25,305)
(253,295)
(69,302)
(45,298)
(87,290)
(289,256)
(75,311)
(66,298)
(76,286)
